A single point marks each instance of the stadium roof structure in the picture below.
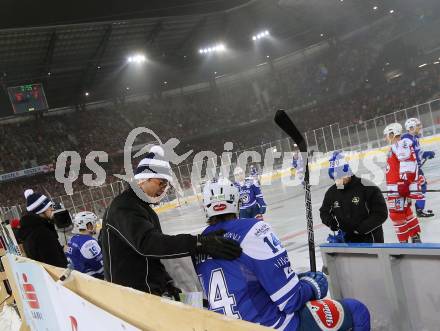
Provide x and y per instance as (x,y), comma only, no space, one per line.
(82,46)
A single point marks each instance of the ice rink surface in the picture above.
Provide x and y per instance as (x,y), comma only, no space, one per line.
(286,213)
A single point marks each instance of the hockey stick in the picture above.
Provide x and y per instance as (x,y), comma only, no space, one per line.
(9,239)
(428,191)
(285,123)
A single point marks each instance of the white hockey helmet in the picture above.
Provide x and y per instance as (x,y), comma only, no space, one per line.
(80,221)
(412,123)
(393,128)
(220,197)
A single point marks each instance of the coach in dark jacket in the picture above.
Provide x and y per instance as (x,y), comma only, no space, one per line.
(354,205)
(132,238)
(38,233)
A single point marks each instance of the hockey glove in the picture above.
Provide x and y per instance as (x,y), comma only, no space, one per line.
(218,247)
(262,209)
(403,189)
(317,281)
(428,155)
(336,238)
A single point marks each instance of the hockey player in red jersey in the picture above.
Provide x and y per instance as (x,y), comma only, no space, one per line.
(402,181)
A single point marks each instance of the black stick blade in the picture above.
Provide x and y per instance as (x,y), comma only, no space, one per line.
(286,124)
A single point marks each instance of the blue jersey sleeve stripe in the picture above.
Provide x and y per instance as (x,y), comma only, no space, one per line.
(280,322)
(277,323)
(283,303)
(285,289)
(286,322)
(93,272)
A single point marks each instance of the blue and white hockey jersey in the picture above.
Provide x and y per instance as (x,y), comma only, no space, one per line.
(260,286)
(250,194)
(416,145)
(297,162)
(84,255)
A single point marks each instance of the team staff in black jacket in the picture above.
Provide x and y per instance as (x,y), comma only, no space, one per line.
(354,205)
(37,231)
(132,238)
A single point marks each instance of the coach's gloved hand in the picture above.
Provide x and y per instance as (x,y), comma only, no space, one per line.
(318,281)
(428,155)
(337,238)
(403,188)
(218,247)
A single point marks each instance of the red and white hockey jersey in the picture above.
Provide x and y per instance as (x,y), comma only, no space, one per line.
(402,166)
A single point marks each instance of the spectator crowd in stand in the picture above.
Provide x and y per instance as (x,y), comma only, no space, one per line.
(349,83)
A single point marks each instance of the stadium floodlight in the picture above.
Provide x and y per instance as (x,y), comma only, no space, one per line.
(260,35)
(86,94)
(392,11)
(136,58)
(217,48)
(375,8)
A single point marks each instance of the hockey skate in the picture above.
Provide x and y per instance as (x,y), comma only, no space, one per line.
(416,239)
(424,213)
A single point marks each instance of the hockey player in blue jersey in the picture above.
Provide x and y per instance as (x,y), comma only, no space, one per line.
(83,251)
(413,126)
(252,204)
(260,286)
(254,173)
(297,164)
